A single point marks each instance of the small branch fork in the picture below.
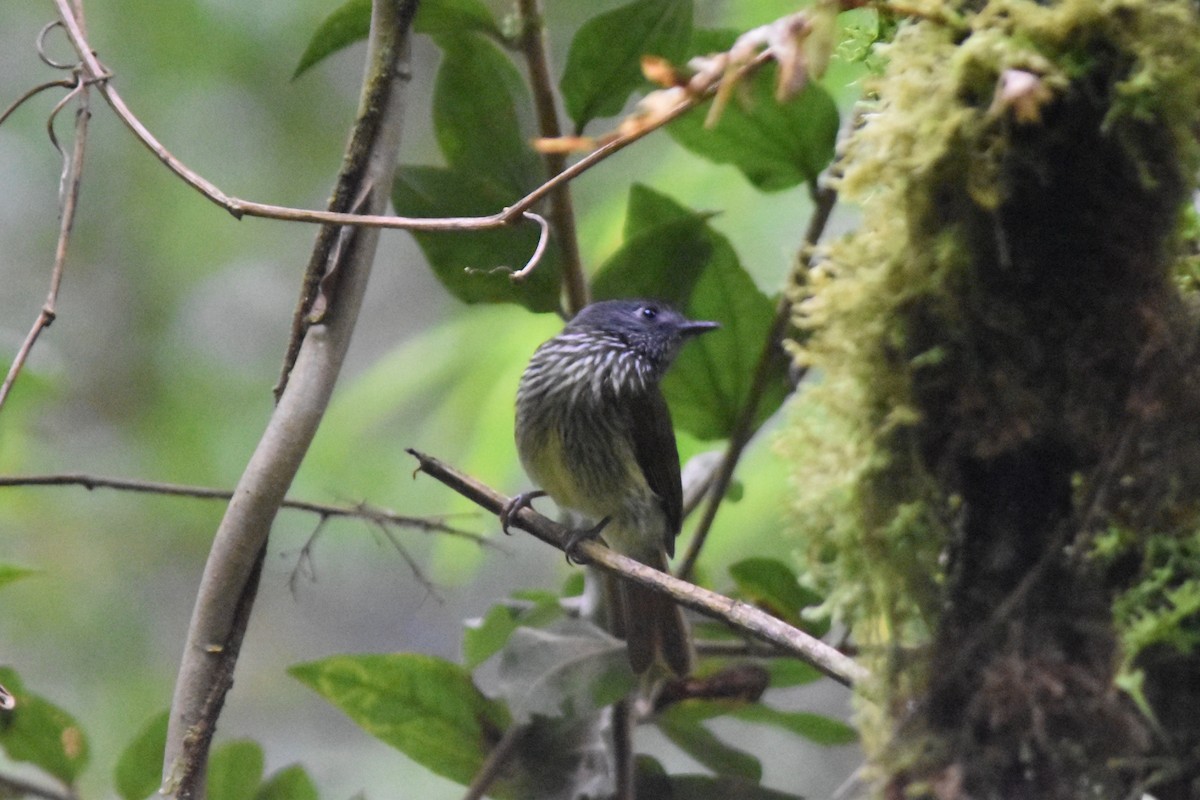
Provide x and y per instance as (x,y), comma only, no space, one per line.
(742,616)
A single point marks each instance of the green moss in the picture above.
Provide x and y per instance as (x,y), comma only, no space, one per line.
(979,338)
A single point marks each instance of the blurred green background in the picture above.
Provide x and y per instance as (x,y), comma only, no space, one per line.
(173,319)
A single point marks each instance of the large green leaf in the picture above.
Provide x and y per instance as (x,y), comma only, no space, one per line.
(813,727)
(772,585)
(464,261)
(679,258)
(139,769)
(235,770)
(775,145)
(423,706)
(681,247)
(289,783)
(568,670)
(683,724)
(40,733)
(351,22)
(478,100)
(604,62)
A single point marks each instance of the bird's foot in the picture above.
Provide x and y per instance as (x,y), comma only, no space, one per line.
(523,500)
(570,547)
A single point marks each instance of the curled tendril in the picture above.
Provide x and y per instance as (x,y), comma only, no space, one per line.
(41,47)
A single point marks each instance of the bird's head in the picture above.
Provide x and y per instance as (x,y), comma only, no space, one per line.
(652,330)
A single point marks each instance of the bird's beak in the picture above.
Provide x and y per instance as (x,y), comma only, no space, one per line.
(696,328)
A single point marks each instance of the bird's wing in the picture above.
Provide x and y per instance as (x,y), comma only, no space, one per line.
(658,457)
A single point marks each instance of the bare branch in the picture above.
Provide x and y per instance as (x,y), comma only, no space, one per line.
(70,183)
(102,78)
(231,573)
(363,511)
(744,617)
(562,212)
(743,428)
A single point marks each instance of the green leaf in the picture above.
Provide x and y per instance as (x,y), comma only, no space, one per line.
(423,706)
(234,770)
(711,380)
(40,733)
(11,572)
(640,268)
(139,769)
(648,209)
(351,22)
(289,783)
(569,670)
(816,728)
(483,638)
(683,261)
(475,100)
(775,145)
(771,584)
(682,724)
(441,192)
(604,64)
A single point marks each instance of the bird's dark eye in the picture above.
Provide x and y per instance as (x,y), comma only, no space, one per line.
(649,312)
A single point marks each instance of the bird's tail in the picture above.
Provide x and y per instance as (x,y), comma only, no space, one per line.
(652,625)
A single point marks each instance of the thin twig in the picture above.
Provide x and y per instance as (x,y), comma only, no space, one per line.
(70,184)
(493,765)
(34,92)
(363,511)
(413,566)
(735,613)
(239,208)
(743,427)
(533,46)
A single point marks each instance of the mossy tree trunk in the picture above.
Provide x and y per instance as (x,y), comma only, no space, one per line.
(1009,346)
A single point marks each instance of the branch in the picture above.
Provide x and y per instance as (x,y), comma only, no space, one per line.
(72,170)
(742,616)
(98,74)
(495,762)
(743,427)
(361,511)
(533,45)
(230,576)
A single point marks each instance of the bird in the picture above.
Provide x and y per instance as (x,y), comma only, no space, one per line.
(594,432)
